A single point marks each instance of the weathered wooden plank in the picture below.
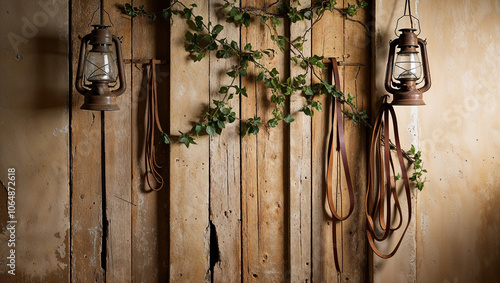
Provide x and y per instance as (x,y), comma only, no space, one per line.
(150,232)
(328,42)
(263,175)
(86,204)
(117,162)
(357,82)
(189,183)
(300,171)
(225,198)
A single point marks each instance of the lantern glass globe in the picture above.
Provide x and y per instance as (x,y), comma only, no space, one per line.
(100,66)
(407,66)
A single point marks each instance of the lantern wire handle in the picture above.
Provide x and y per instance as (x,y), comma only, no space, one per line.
(408,8)
(101,7)
(408,4)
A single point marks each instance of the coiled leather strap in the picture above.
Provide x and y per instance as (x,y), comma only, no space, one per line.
(381,184)
(338,123)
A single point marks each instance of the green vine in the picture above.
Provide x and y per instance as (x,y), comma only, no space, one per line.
(415,158)
(203,37)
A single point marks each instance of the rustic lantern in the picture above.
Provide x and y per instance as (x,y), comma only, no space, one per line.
(100,67)
(405,71)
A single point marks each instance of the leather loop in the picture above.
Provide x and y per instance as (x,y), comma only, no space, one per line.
(381,166)
(338,122)
(153,122)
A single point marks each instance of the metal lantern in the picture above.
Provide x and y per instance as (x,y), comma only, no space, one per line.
(409,68)
(100,68)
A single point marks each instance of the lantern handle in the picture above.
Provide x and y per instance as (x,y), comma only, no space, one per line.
(121,69)
(408,7)
(390,63)
(411,17)
(425,62)
(101,22)
(79,82)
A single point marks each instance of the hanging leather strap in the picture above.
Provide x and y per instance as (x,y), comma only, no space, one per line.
(383,184)
(338,123)
(153,122)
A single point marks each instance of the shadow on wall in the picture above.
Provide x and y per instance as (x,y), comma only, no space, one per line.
(50,51)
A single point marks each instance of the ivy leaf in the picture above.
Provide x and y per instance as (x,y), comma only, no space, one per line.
(223,89)
(329,87)
(234,45)
(412,149)
(261,76)
(164,138)
(187,13)
(420,185)
(210,130)
(216,30)
(308,91)
(307,110)
(242,72)
(273,72)
(198,128)
(198,56)
(248,47)
(186,138)
(272,123)
(316,105)
(275,22)
(289,119)
(246,20)
(351,10)
(303,64)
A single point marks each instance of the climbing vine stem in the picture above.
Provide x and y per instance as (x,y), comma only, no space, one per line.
(204,37)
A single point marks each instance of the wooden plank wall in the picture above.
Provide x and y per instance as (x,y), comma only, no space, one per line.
(234,209)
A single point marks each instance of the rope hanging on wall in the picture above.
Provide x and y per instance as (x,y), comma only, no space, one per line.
(153,123)
(338,122)
(382,184)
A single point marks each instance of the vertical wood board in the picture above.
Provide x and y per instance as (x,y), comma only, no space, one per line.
(150,220)
(225,194)
(300,170)
(117,162)
(189,168)
(328,42)
(86,203)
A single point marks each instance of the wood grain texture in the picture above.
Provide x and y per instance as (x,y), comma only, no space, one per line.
(328,42)
(117,141)
(189,168)
(86,202)
(225,194)
(357,82)
(263,171)
(150,231)
(300,171)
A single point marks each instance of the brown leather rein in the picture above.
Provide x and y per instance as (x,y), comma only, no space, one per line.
(153,122)
(381,184)
(384,186)
(338,121)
